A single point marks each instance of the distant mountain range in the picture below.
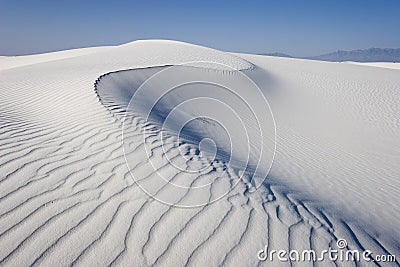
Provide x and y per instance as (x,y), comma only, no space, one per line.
(361,55)
(276,54)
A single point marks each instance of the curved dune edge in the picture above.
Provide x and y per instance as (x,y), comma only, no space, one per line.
(289,211)
(66,196)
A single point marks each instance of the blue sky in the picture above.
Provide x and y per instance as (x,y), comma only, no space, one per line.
(300,28)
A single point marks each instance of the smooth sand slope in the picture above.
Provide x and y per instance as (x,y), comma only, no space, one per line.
(386,65)
(85,137)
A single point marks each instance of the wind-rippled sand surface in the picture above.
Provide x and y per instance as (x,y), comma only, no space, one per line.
(67,196)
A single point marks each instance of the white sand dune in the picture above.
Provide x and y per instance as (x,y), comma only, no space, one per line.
(18,61)
(78,156)
(386,65)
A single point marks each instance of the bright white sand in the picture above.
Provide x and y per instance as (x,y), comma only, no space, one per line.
(67,196)
(18,61)
(386,65)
